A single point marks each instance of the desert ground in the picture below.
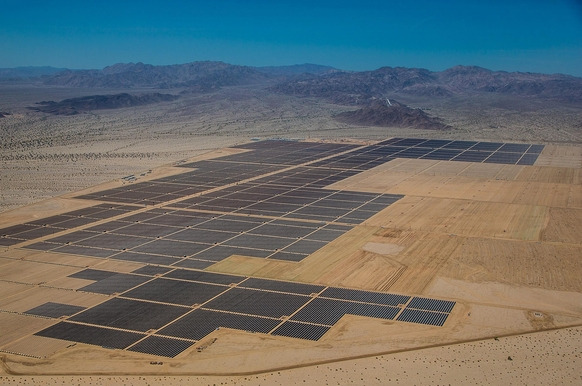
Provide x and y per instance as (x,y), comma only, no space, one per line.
(502,241)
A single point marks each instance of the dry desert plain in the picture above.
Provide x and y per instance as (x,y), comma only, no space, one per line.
(502,241)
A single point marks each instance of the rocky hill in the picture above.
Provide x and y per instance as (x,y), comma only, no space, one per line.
(100,102)
(27,73)
(297,69)
(199,75)
(364,87)
(391,114)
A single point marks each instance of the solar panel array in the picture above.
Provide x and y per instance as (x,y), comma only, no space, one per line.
(165,312)
(51,225)
(268,202)
(441,150)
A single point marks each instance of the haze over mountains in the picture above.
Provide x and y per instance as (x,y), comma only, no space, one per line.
(314,80)
(367,89)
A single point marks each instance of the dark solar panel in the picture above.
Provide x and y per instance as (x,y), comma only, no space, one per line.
(145,258)
(305,246)
(324,235)
(199,323)
(228,225)
(301,330)
(112,241)
(472,156)
(435,143)
(92,274)
(151,270)
(91,335)
(171,248)
(329,311)
(6,242)
(72,237)
(281,231)
(160,346)
(528,159)
(55,310)
(176,291)
(15,229)
(221,252)
(117,283)
(409,142)
(130,314)
(365,296)
(486,146)
(514,147)
(36,233)
(422,317)
(261,242)
(287,256)
(535,149)
(42,246)
(442,154)
(85,251)
(202,236)
(49,220)
(431,304)
(248,301)
(206,277)
(193,263)
(282,286)
(463,145)
(145,230)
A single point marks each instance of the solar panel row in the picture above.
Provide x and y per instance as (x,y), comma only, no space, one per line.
(54,224)
(442,150)
(160,299)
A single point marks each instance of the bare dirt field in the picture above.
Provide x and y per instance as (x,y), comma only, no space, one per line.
(502,241)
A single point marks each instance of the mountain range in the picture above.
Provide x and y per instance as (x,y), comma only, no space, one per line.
(310,80)
(366,89)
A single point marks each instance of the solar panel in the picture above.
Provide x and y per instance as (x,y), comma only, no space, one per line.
(431,304)
(85,251)
(151,270)
(160,346)
(365,296)
(221,252)
(92,274)
(55,310)
(171,248)
(305,246)
(528,159)
(145,258)
(254,302)
(329,311)
(91,335)
(486,146)
(301,330)
(514,147)
(535,149)
(463,145)
(176,291)
(281,286)
(206,277)
(199,323)
(116,283)
(130,314)
(422,317)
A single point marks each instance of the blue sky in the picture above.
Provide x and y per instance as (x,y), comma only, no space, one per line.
(511,35)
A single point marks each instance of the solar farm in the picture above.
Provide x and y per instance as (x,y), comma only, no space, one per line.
(282,253)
